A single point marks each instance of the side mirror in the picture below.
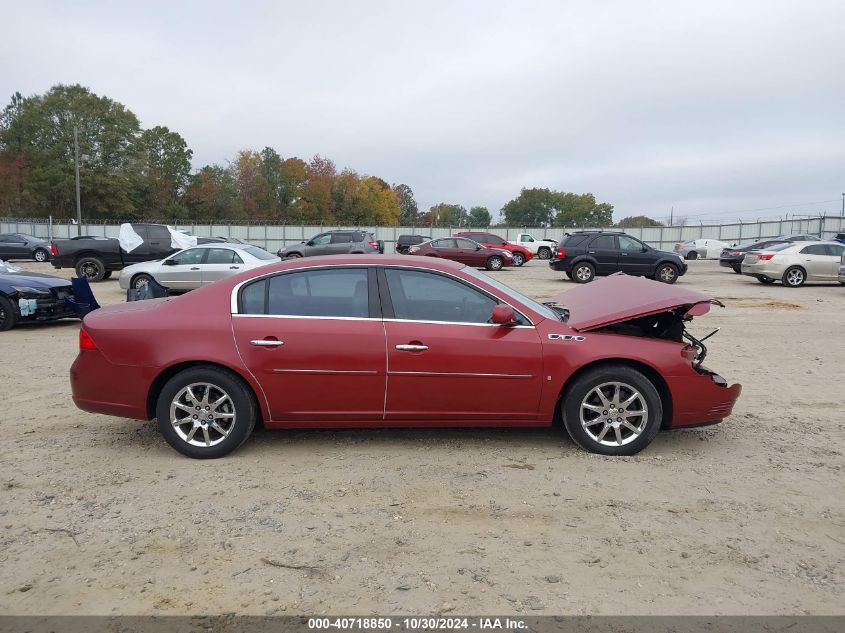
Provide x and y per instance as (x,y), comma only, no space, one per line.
(478,248)
(504,315)
(645,249)
(309,243)
(169,262)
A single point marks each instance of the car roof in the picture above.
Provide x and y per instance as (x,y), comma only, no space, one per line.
(233,245)
(300,263)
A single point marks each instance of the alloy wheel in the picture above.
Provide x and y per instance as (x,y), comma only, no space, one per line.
(202,414)
(795,277)
(583,273)
(518,259)
(141,282)
(667,274)
(40,256)
(614,414)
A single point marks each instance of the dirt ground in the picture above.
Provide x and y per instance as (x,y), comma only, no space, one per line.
(100,516)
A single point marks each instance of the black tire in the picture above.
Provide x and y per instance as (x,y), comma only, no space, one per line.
(666,273)
(241,400)
(766,280)
(494,262)
(544,252)
(8,315)
(692,255)
(91,267)
(794,277)
(583,392)
(583,272)
(569,274)
(518,259)
(293,255)
(107,274)
(140,280)
(380,246)
(737,269)
(41,255)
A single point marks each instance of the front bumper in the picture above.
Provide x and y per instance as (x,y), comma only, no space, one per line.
(701,399)
(50,308)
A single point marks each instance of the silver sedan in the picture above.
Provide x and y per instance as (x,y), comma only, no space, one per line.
(793,263)
(195,267)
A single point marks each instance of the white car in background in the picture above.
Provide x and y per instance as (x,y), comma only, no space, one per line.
(542,248)
(701,249)
(195,267)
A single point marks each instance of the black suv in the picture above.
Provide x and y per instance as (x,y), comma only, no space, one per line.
(404,242)
(585,254)
(334,243)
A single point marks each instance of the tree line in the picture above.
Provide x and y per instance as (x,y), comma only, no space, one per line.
(130,173)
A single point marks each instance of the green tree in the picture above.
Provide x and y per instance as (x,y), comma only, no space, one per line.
(444,214)
(637,221)
(545,207)
(582,210)
(479,217)
(41,129)
(165,170)
(410,212)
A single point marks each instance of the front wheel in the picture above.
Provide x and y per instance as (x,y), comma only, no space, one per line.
(495,263)
(8,315)
(666,273)
(293,256)
(205,412)
(692,255)
(40,255)
(91,267)
(518,259)
(794,277)
(140,281)
(544,252)
(612,410)
(583,273)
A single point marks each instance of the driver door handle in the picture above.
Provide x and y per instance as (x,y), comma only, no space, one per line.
(195,268)
(263,342)
(234,267)
(412,348)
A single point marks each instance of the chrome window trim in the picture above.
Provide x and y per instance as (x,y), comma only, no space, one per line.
(341,318)
(233,303)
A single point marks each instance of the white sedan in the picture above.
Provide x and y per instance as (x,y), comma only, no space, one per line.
(195,267)
(701,249)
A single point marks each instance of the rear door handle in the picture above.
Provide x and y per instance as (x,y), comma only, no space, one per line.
(412,348)
(591,252)
(263,342)
(234,267)
(195,268)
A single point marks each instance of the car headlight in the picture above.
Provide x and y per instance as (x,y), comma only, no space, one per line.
(32,292)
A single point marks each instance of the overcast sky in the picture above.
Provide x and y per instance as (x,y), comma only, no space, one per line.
(718,109)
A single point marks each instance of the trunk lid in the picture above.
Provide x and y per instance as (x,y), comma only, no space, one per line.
(620,297)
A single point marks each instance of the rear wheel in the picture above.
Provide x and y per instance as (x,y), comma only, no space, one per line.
(583,273)
(107,274)
(8,315)
(794,277)
(205,412)
(518,259)
(666,273)
(293,256)
(737,269)
(40,255)
(91,267)
(544,252)
(613,410)
(692,255)
(495,262)
(766,280)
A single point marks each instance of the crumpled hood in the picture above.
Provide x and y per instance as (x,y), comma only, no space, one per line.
(32,280)
(621,297)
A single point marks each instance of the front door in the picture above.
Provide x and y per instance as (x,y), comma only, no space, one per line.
(605,252)
(469,253)
(320,245)
(834,252)
(315,343)
(817,262)
(634,256)
(447,364)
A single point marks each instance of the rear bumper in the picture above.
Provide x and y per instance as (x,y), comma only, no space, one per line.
(701,399)
(99,386)
(762,269)
(560,265)
(842,274)
(730,262)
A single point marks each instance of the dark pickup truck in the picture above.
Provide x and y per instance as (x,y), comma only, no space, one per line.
(97,257)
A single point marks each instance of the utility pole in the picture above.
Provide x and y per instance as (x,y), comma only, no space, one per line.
(76,165)
(843,204)
(671,214)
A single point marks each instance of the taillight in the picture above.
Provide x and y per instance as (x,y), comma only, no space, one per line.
(689,352)
(53,249)
(85,340)
(735,253)
(373,244)
(765,256)
(560,253)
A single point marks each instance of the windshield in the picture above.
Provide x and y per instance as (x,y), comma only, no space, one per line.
(259,253)
(539,308)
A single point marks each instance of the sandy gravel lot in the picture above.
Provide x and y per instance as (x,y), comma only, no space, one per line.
(100,516)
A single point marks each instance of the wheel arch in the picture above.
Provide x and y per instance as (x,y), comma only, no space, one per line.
(647,370)
(170,371)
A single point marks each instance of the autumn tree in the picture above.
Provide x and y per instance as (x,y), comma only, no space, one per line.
(213,195)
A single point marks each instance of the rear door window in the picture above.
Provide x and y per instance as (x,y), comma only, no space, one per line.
(342,238)
(814,249)
(604,242)
(339,292)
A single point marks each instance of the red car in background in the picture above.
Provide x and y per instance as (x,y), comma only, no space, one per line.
(520,253)
(390,341)
(465,251)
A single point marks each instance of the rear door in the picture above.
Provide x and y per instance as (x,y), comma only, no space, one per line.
(341,242)
(604,250)
(446,248)
(219,263)
(314,340)
(14,247)
(446,362)
(816,261)
(183,271)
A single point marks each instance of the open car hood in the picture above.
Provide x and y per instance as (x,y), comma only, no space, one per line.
(619,297)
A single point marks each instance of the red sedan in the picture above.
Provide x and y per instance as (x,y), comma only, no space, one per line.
(465,251)
(364,341)
(520,253)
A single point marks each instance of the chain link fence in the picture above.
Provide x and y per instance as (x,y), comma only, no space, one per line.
(273,237)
